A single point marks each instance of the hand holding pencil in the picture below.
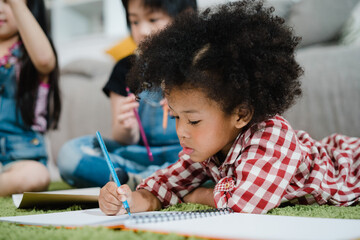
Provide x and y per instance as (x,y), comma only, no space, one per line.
(125,112)
(111,198)
(111,168)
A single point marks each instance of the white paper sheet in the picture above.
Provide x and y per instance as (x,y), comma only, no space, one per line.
(229,226)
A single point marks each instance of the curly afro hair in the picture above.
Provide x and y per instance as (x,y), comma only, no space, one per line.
(238,54)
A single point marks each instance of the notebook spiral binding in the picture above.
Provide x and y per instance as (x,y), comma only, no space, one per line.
(174,216)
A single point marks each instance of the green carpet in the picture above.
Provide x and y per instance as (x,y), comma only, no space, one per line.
(11,231)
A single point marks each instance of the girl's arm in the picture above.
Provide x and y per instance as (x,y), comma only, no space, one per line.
(201,195)
(173,184)
(125,128)
(34,39)
(111,198)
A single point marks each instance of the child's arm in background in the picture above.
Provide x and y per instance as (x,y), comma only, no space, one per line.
(34,39)
(111,198)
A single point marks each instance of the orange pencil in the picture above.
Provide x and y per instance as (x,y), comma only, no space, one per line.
(165,116)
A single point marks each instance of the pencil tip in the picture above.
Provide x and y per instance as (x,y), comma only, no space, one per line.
(128,211)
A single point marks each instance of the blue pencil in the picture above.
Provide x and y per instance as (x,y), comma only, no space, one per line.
(111,167)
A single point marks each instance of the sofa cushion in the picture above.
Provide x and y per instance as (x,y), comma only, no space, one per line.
(331,87)
(350,34)
(122,49)
(319,20)
(282,7)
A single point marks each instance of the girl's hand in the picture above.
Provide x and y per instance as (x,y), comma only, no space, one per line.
(111,198)
(33,37)
(125,128)
(125,113)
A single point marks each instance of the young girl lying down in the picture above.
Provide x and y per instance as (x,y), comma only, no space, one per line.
(228,74)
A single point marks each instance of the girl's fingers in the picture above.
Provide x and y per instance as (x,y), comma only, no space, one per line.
(128,120)
(130,99)
(111,198)
(125,115)
(109,209)
(122,211)
(108,199)
(126,112)
(128,107)
(124,193)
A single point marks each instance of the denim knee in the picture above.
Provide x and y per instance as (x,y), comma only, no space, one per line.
(72,152)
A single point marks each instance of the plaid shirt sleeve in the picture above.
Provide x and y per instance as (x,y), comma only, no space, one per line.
(171,184)
(266,161)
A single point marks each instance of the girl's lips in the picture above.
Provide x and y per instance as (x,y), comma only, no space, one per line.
(187,150)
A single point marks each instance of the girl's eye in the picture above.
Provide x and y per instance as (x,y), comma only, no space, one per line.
(152,20)
(193,122)
(133,23)
(173,117)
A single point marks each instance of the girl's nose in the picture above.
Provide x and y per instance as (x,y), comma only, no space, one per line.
(181,131)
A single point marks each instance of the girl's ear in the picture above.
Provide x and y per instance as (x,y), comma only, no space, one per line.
(244,116)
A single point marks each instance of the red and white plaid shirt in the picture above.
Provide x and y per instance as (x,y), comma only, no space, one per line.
(268,164)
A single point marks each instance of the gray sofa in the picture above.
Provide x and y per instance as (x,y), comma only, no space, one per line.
(331,82)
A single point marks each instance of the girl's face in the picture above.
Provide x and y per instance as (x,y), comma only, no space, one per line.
(8,27)
(202,127)
(145,21)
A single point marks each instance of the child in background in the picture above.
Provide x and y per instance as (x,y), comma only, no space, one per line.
(29,96)
(227,75)
(80,160)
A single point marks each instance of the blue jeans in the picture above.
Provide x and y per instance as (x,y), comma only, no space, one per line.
(82,164)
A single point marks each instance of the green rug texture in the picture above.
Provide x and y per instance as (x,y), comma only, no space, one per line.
(11,231)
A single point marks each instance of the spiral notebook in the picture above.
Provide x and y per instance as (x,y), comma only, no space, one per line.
(217,224)
(94,217)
